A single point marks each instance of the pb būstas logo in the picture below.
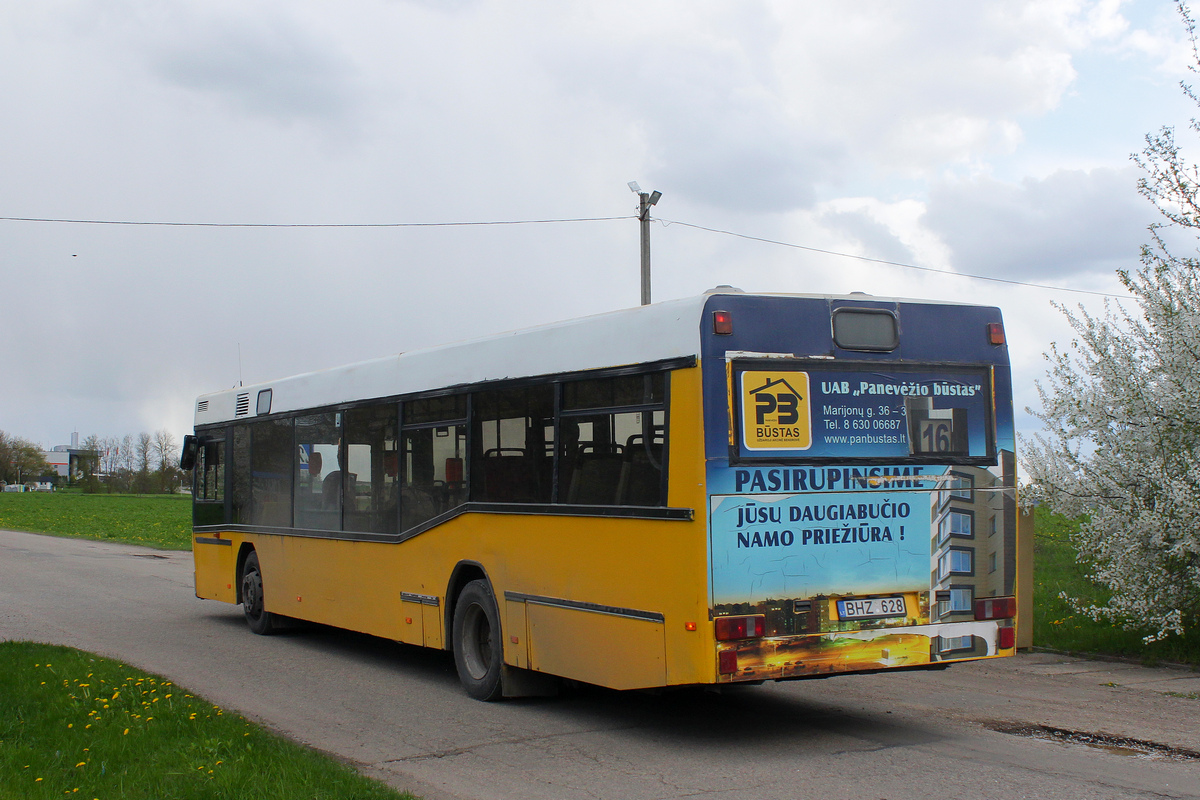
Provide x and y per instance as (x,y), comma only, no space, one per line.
(776,414)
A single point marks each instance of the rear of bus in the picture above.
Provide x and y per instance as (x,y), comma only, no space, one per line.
(861,484)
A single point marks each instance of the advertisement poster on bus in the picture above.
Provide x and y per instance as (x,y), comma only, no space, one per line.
(816,412)
(829,543)
(836,481)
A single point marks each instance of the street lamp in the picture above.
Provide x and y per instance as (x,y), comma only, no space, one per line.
(645,200)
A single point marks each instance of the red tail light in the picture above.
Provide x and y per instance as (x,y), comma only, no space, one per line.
(727,662)
(1007,638)
(996,333)
(996,608)
(730,628)
(722,323)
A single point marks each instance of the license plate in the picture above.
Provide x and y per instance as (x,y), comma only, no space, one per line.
(871,608)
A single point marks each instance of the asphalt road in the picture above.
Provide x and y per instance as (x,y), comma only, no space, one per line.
(398,713)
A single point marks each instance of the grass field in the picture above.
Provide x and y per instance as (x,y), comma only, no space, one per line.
(156,520)
(77,725)
(1056,625)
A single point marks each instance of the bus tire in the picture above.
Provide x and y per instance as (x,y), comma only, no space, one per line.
(478,648)
(259,620)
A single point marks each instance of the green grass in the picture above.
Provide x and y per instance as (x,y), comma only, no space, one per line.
(77,725)
(1058,626)
(156,520)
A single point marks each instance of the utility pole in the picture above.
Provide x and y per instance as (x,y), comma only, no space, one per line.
(645,200)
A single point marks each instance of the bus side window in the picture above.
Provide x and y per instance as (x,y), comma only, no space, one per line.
(433,448)
(211,472)
(371,459)
(271,473)
(512,457)
(317,501)
(613,457)
(209,505)
(240,468)
(590,462)
(642,468)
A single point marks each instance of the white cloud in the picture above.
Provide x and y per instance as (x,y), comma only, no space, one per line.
(889,231)
(916,86)
(259,63)
(1070,222)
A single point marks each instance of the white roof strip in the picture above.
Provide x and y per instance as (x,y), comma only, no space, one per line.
(630,336)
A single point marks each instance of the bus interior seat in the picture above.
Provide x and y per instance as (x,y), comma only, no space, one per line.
(508,475)
(337,480)
(416,506)
(454,472)
(640,483)
(596,476)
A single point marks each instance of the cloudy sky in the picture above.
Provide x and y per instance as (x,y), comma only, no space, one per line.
(982,138)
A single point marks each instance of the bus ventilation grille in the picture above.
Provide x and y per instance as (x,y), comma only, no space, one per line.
(201,406)
(243,405)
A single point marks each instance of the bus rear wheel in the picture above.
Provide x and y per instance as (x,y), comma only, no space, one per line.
(478,648)
(260,620)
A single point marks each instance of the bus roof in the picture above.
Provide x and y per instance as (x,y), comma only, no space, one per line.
(638,335)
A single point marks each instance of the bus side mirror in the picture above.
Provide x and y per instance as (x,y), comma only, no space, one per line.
(187,458)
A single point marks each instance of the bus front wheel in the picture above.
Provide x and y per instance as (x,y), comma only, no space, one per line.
(258,618)
(478,649)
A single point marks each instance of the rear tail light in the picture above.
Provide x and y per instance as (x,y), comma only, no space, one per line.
(722,323)
(1007,638)
(996,332)
(727,662)
(730,628)
(996,608)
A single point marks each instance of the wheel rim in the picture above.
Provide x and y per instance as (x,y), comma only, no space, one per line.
(252,593)
(477,642)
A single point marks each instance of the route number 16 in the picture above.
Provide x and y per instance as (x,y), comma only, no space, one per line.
(935,435)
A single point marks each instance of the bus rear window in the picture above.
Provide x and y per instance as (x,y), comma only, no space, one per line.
(862,329)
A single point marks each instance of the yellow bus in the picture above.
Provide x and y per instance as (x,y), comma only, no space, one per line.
(727,488)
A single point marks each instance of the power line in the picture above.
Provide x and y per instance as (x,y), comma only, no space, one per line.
(892,263)
(464,224)
(311,224)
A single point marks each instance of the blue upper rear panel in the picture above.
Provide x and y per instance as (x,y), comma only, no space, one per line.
(942,348)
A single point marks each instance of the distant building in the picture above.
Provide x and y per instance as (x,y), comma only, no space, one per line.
(65,458)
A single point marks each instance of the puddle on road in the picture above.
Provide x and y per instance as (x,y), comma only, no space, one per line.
(1118,745)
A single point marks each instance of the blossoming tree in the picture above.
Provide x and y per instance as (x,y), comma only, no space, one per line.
(1121,407)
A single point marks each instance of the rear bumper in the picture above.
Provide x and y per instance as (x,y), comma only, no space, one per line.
(777,658)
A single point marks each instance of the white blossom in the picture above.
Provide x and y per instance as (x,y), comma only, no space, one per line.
(1121,446)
